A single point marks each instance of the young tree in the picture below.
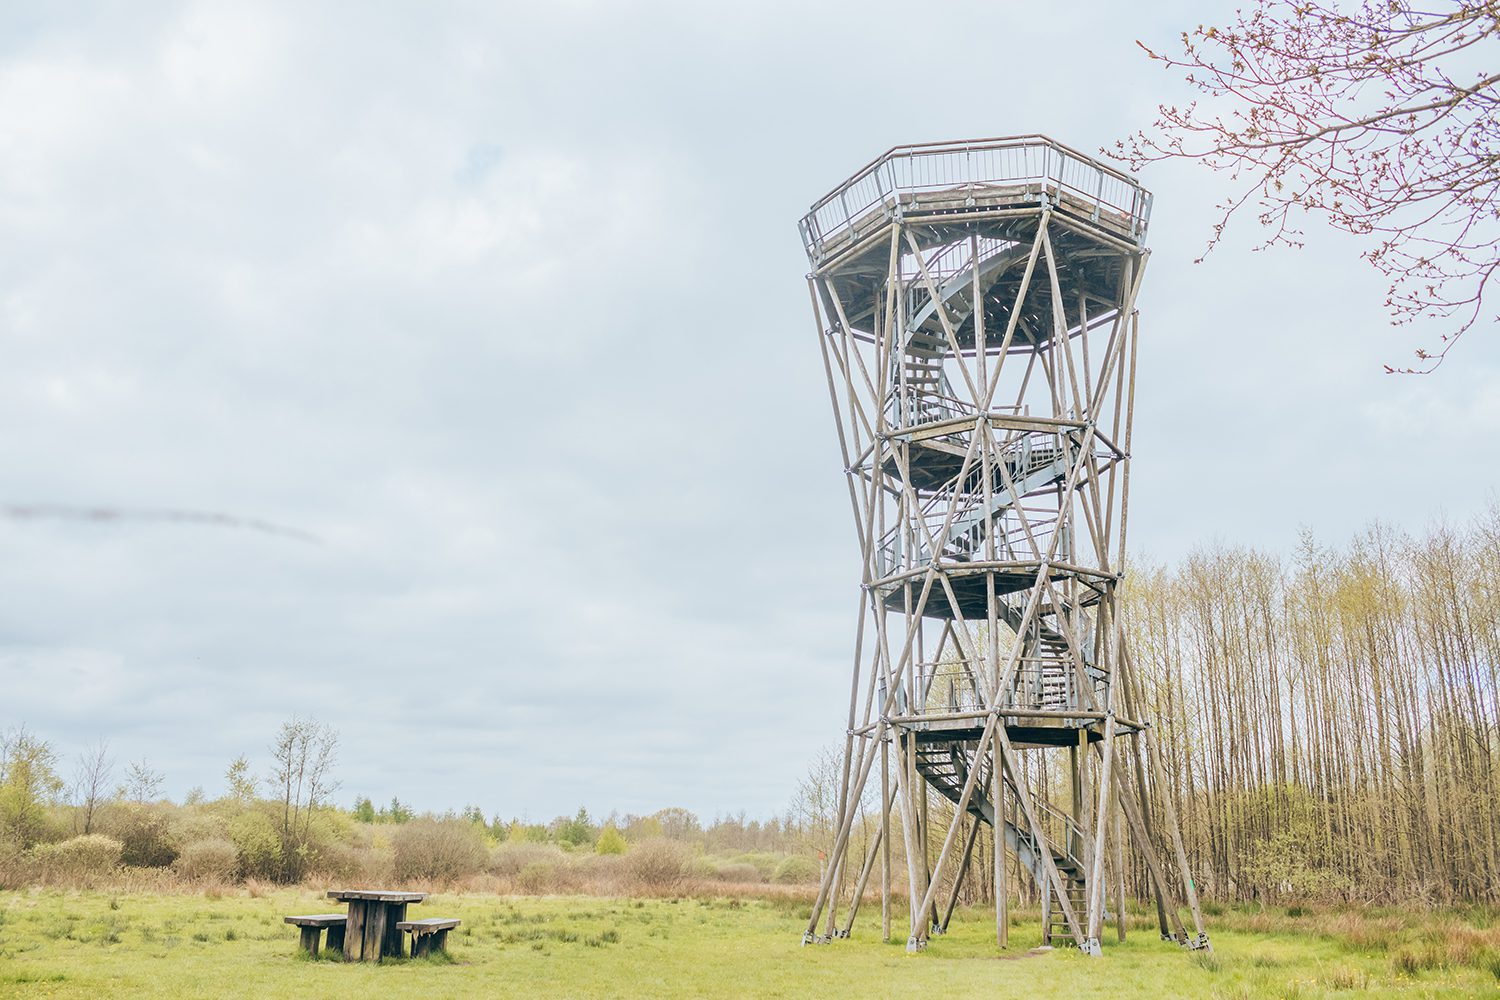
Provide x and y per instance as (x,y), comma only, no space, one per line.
(91,778)
(396,812)
(241,781)
(576,831)
(302,759)
(678,823)
(364,810)
(1383,119)
(611,841)
(142,783)
(28,784)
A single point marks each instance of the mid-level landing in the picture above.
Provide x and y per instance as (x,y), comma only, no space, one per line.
(967,579)
(1023,733)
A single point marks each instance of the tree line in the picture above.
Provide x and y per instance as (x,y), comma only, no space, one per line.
(1329,726)
(1330,723)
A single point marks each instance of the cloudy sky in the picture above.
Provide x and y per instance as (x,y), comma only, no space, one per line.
(503,304)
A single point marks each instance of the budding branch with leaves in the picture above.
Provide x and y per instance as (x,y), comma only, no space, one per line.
(1382,120)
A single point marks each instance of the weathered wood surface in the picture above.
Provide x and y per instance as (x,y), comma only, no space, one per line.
(371,932)
(428,936)
(429,925)
(379,895)
(312,926)
(318,920)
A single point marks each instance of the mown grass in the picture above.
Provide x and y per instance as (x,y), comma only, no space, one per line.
(56,943)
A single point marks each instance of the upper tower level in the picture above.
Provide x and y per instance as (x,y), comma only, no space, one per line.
(973,177)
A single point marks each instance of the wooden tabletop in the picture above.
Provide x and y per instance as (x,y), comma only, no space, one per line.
(376,895)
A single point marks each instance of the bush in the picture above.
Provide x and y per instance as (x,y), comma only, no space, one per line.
(80,859)
(536,878)
(738,871)
(209,861)
(657,865)
(190,825)
(795,870)
(258,845)
(598,874)
(145,830)
(611,841)
(442,849)
(764,862)
(513,856)
(364,863)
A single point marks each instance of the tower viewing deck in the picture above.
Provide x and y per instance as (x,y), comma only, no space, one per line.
(973,177)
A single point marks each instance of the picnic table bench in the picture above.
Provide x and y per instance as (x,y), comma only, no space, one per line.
(314,924)
(428,936)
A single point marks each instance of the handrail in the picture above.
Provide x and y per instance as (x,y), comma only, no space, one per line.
(927,167)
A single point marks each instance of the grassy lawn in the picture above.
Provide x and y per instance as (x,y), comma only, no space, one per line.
(93,944)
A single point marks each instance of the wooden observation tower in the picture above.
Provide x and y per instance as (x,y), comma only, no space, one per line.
(975,304)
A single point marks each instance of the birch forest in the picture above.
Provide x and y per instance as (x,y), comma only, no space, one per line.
(1329,722)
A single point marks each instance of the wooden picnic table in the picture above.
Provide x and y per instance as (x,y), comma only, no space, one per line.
(371,932)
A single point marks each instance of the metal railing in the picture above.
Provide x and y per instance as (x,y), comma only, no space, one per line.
(1022,162)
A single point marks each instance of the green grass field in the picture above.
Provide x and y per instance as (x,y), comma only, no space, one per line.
(97,944)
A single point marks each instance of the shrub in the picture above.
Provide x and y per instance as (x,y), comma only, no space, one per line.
(511,857)
(365,863)
(795,870)
(258,845)
(739,871)
(443,849)
(764,862)
(209,861)
(536,878)
(657,865)
(79,859)
(598,874)
(145,830)
(611,841)
(189,826)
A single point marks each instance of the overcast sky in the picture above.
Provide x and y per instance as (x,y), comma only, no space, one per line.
(504,304)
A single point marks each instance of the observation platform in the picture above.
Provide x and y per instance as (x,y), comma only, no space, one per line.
(942,195)
(947,181)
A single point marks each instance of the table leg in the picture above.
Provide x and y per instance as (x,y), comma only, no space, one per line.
(354,931)
(395,913)
(374,930)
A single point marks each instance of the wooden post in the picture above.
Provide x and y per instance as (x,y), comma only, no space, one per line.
(375,930)
(1120,918)
(354,931)
(1002,893)
(958,878)
(885,840)
(1096,874)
